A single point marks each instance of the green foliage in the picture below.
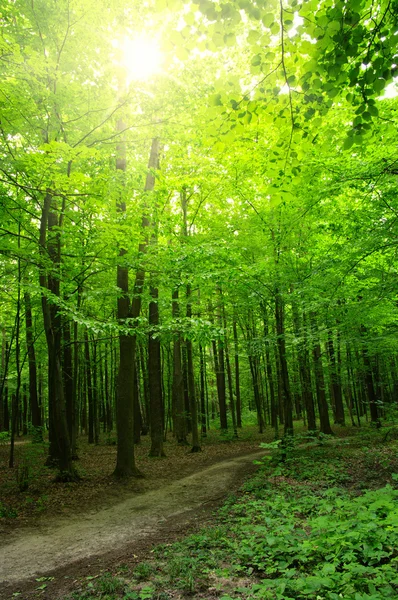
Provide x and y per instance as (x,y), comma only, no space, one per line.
(4,438)
(30,464)
(7,513)
(300,534)
(143,570)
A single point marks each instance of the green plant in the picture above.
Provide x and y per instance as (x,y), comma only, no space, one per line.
(109,584)
(4,438)
(7,513)
(143,571)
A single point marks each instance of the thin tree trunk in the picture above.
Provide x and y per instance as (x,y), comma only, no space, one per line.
(270,376)
(155,378)
(336,383)
(281,343)
(372,397)
(95,393)
(320,381)
(202,393)
(191,385)
(237,376)
(89,389)
(178,382)
(15,397)
(33,398)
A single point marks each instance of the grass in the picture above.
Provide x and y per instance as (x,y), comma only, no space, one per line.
(315,522)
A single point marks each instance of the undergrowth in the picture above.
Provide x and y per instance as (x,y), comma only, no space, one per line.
(301,529)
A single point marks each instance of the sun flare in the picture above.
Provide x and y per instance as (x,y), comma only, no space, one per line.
(142,57)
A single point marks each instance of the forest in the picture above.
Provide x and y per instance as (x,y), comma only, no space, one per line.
(198,250)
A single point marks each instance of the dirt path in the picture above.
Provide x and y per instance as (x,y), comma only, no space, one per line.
(34,552)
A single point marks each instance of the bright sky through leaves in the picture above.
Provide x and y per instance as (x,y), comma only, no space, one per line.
(142,57)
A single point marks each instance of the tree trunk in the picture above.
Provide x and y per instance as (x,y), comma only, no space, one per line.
(191,385)
(320,381)
(33,398)
(372,397)
(180,431)
(95,393)
(68,378)
(270,376)
(237,376)
(203,411)
(125,462)
(60,450)
(304,367)
(336,383)
(90,394)
(155,378)
(281,343)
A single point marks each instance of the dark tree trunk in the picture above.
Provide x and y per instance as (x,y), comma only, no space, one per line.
(25,411)
(33,398)
(3,378)
(155,378)
(138,421)
(108,394)
(95,393)
(68,381)
(187,407)
(125,462)
(60,449)
(180,430)
(237,377)
(6,410)
(15,397)
(90,394)
(221,386)
(372,397)
(191,385)
(336,383)
(320,381)
(281,343)
(270,376)
(145,389)
(203,410)
(73,416)
(304,366)
(257,397)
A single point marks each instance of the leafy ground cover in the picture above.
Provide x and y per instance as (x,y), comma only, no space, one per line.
(315,522)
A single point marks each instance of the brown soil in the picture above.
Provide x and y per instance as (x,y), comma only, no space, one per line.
(45,498)
(178,494)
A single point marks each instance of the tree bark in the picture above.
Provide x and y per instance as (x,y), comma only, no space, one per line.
(191,385)
(336,383)
(281,343)
(237,376)
(180,430)
(125,462)
(33,397)
(320,381)
(155,378)
(50,248)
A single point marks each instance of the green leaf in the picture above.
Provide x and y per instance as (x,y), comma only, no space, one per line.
(348,143)
(256,60)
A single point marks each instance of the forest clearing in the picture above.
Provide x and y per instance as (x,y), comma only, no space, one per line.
(199,264)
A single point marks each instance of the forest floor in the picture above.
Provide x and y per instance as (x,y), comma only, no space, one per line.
(108,547)
(46,525)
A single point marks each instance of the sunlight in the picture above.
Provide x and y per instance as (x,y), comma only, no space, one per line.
(142,57)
